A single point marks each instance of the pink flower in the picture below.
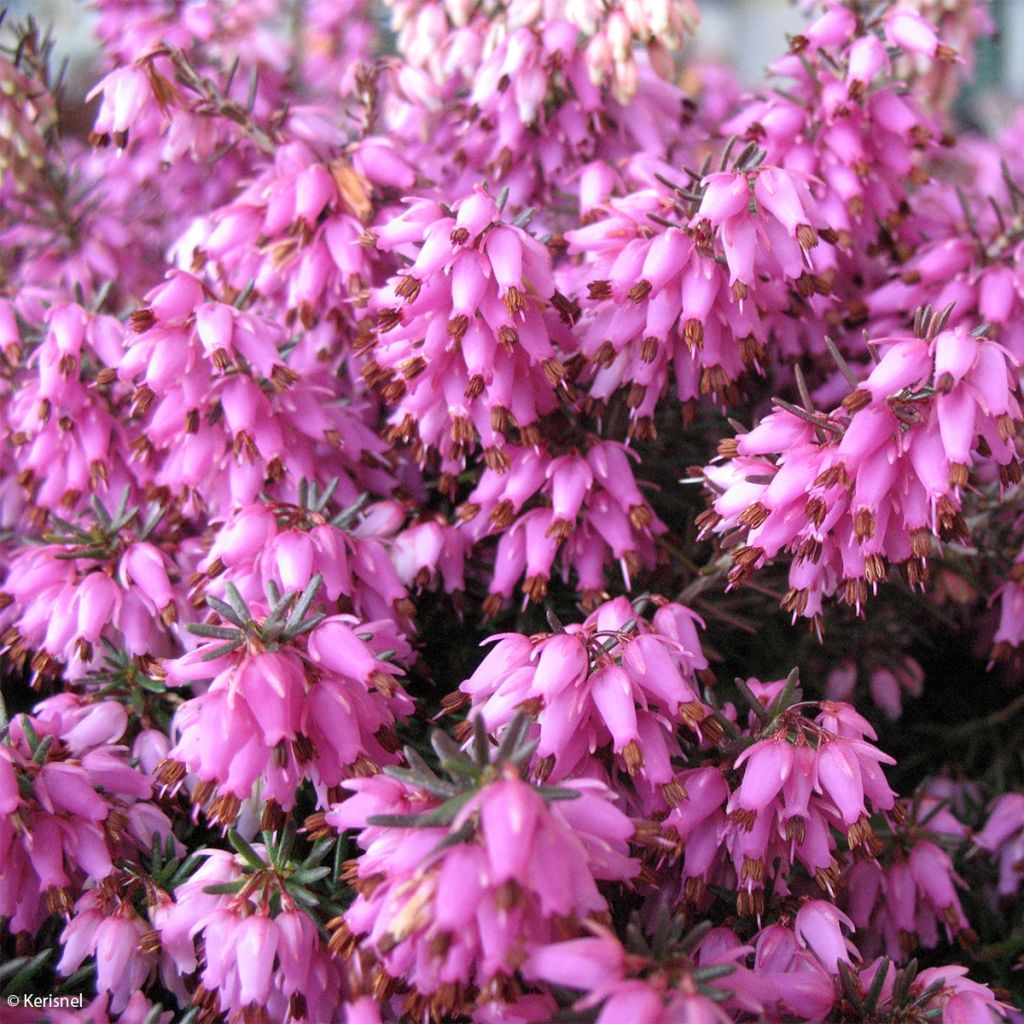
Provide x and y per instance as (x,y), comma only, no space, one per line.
(818,927)
(612,682)
(463,910)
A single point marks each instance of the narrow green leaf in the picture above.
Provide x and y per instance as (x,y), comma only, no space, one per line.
(220,650)
(248,854)
(213,632)
(223,888)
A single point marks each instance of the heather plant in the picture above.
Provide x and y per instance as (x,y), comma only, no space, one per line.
(499,523)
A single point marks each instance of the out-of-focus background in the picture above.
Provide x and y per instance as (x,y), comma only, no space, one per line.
(746,34)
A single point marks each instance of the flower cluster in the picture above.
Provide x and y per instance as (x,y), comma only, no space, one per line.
(593,515)
(341,340)
(72,804)
(292,695)
(454,893)
(876,481)
(615,680)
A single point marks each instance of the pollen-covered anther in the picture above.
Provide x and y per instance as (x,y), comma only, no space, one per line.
(515,301)
(412,367)
(536,588)
(693,334)
(560,529)
(497,460)
(875,570)
(754,515)
(639,291)
(707,521)
(142,399)
(864,524)
(743,818)
(501,419)
(832,477)
(745,560)
(408,287)
(753,870)
(750,903)
(503,514)
(854,591)
(640,516)
(715,381)
(815,510)
(554,371)
(752,352)
(508,338)
(388,320)
(605,354)
(462,430)
(457,326)
(633,756)
(283,377)
(807,236)
(141,320)
(674,793)
(795,829)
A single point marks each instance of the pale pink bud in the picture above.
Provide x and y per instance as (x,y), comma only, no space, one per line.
(885,692)
(818,926)
(726,195)
(909,31)
(906,363)
(867,58)
(777,192)
(770,764)
(379,162)
(955,353)
(563,663)
(126,93)
(255,946)
(477,212)
(839,774)
(335,646)
(612,692)
(96,601)
(101,724)
(10,797)
(144,567)
(571,479)
(505,251)
(509,813)
(779,431)
(314,190)
(997,293)
(665,258)
(834,28)
(293,558)
(583,964)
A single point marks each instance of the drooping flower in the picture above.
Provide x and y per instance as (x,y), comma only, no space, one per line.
(456,893)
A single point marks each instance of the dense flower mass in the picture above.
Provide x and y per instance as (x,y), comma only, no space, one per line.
(425,427)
